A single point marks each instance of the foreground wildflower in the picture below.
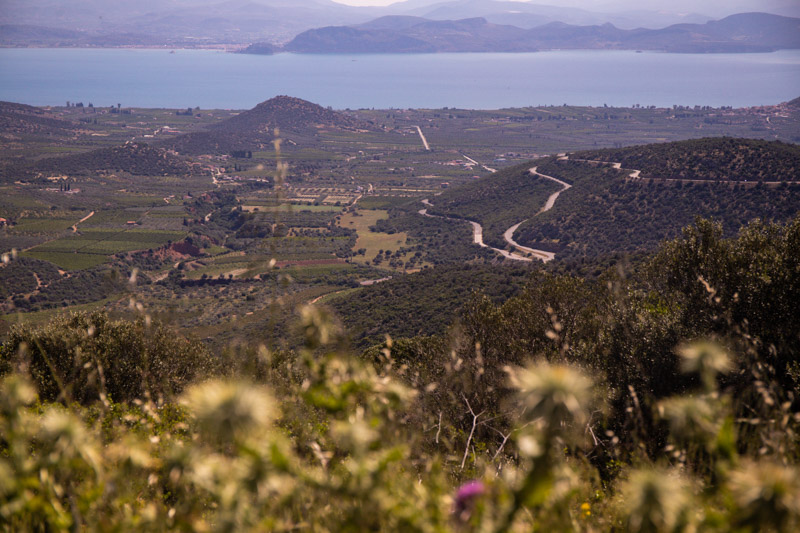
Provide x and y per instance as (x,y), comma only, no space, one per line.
(465,500)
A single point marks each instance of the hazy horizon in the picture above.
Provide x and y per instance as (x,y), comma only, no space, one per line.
(709,7)
(715,8)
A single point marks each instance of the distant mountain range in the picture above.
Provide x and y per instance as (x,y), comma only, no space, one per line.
(231,22)
(746,32)
(530,15)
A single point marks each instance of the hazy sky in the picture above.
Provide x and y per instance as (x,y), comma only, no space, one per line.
(704,6)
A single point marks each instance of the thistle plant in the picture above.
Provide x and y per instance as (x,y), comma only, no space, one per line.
(767,497)
(701,428)
(655,501)
(707,359)
(554,401)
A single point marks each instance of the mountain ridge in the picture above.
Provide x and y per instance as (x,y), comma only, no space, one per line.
(745,32)
(227,23)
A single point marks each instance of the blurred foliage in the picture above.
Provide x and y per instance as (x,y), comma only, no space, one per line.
(81,357)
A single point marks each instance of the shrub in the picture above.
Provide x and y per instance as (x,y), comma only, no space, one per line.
(81,357)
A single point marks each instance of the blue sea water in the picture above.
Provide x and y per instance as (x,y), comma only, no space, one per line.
(215,79)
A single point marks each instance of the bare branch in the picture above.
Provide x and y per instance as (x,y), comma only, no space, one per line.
(502,444)
(594,437)
(472,431)
(591,431)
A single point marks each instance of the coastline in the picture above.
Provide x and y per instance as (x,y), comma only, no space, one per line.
(220,47)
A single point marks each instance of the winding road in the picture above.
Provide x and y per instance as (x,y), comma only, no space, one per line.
(477,234)
(508,236)
(551,200)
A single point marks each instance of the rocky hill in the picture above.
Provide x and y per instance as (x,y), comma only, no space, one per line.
(254,129)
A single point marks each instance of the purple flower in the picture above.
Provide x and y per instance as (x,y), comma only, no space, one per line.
(465,498)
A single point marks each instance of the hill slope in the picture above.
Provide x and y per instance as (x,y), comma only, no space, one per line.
(285,112)
(425,303)
(19,119)
(138,159)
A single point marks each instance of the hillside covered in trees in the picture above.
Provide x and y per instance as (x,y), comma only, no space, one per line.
(712,159)
(605,213)
(425,303)
(612,211)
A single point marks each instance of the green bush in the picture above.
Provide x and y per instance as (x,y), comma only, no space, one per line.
(79,357)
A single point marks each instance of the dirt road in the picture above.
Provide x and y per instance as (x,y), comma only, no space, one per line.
(424,140)
(508,236)
(488,169)
(551,201)
(84,219)
(477,234)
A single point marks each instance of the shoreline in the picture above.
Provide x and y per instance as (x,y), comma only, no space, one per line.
(241,47)
(211,47)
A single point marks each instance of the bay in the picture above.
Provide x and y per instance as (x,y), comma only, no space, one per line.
(215,79)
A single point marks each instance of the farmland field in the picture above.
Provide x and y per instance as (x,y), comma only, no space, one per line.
(372,241)
(69,260)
